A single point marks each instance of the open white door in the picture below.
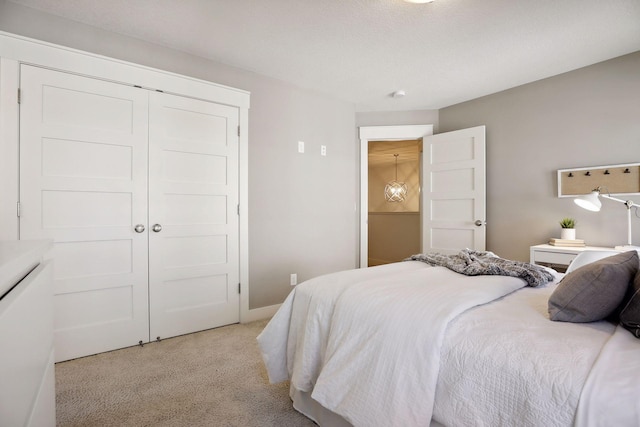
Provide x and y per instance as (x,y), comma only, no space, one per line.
(453,191)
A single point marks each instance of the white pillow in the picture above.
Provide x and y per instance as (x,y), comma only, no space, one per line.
(588,257)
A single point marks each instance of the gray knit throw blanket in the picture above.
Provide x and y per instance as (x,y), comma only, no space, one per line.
(477,263)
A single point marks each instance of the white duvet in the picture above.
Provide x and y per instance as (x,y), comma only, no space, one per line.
(370,345)
(507,364)
(611,395)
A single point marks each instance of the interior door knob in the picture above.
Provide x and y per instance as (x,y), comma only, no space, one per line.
(480,223)
(157,228)
(139,228)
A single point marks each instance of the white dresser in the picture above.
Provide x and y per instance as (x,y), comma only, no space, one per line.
(27,382)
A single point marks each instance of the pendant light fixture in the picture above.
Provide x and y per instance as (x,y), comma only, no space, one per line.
(395,191)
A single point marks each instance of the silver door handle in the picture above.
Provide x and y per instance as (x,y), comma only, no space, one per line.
(480,223)
(139,228)
(157,228)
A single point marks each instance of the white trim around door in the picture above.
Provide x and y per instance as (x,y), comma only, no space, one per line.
(379,133)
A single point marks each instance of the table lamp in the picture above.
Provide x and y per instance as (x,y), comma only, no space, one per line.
(592,202)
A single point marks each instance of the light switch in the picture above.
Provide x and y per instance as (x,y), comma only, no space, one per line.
(323,150)
(300,146)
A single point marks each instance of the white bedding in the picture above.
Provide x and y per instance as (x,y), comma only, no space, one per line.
(507,364)
(294,341)
(386,337)
(611,396)
(353,340)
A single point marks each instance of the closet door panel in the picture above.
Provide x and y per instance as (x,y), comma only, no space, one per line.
(83,183)
(193,195)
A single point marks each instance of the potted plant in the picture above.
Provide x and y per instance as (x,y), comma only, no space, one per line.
(568,229)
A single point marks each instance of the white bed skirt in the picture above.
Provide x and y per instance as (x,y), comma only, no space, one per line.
(303,403)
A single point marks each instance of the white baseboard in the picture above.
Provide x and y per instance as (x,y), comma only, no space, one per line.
(260,313)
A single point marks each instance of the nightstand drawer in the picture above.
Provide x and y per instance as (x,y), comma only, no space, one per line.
(553,257)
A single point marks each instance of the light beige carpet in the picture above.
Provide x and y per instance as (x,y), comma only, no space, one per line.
(210,378)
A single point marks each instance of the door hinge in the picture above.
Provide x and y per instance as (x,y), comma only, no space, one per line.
(238,287)
(238,209)
(18,209)
(238,130)
(19,95)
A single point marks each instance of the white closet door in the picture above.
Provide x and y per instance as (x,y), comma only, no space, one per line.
(453,191)
(193,197)
(83,183)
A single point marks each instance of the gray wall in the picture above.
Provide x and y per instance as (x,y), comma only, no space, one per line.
(587,117)
(391,118)
(302,207)
(393,236)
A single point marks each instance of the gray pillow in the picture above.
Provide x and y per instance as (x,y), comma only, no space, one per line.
(630,314)
(593,291)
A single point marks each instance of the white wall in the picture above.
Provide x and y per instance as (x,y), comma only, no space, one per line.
(587,117)
(302,207)
(391,118)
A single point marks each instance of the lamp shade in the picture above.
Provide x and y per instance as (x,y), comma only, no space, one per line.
(590,201)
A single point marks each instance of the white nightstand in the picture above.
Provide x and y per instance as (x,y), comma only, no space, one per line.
(559,256)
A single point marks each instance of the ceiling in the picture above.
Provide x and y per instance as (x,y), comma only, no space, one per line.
(361,51)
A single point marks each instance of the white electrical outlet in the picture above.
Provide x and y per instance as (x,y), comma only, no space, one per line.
(293,279)
(300,146)
(323,150)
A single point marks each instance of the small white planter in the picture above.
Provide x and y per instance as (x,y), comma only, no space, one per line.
(568,233)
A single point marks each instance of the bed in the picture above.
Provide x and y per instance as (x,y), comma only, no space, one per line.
(414,344)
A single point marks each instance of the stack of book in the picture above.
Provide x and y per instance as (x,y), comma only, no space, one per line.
(574,243)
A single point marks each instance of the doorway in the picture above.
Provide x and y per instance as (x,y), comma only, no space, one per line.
(384,141)
(393,211)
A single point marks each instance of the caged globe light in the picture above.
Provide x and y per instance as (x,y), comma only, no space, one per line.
(395,191)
